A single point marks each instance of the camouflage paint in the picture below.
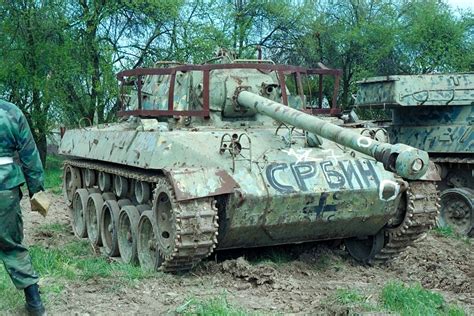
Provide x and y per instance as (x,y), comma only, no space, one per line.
(410,162)
(16,140)
(431,112)
(279,186)
(14,255)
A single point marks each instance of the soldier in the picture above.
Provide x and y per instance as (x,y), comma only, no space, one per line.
(16,139)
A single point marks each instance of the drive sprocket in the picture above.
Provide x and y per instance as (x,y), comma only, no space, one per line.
(186,230)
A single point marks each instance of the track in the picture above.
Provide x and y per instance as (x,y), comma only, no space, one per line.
(196,220)
(196,226)
(422,209)
(195,236)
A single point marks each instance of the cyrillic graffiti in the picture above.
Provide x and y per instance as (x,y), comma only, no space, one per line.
(298,176)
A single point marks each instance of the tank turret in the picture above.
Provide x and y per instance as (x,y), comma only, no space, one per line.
(228,154)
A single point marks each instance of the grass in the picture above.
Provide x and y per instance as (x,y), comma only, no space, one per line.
(415,300)
(349,301)
(54,228)
(9,297)
(216,306)
(72,262)
(449,232)
(272,256)
(328,261)
(396,297)
(344,296)
(53,174)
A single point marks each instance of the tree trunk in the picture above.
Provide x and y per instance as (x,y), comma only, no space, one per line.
(42,144)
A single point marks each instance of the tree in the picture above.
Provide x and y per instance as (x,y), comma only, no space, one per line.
(107,34)
(355,36)
(59,58)
(31,46)
(434,39)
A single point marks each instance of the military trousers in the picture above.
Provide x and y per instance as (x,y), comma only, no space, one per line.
(15,256)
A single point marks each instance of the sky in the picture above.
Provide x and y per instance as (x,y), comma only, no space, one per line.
(462,4)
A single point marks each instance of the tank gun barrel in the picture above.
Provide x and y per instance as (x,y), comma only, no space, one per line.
(406,161)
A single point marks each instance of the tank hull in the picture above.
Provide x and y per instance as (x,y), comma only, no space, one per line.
(434,129)
(277,197)
(226,155)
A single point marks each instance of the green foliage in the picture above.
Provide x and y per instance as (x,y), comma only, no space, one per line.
(59,58)
(74,262)
(273,255)
(218,306)
(353,300)
(432,39)
(415,300)
(10,297)
(446,231)
(449,232)
(54,228)
(53,174)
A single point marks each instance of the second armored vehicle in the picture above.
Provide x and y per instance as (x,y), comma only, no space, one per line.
(435,113)
(230,155)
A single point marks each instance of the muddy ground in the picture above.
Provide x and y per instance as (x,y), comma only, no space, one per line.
(305,285)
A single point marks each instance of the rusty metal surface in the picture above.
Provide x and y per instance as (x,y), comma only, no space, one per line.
(192,183)
(268,181)
(205,69)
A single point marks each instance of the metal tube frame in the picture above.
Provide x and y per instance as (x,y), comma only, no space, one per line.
(281,70)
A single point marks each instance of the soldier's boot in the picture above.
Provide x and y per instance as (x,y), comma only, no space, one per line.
(34,306)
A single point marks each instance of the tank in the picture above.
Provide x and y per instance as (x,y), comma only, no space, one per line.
(435,113)
(239,154)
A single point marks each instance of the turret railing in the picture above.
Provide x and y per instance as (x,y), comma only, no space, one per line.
(281,70)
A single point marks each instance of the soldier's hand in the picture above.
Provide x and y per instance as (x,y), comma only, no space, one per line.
(40,203)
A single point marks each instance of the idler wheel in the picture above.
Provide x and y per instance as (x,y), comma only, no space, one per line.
(127,234)
(108,227)
(105,181)
(79,204)
(365,249)
(71,182)
(89,177)
(142,192)
(120,186)
(457,210)
(146,242)
(93,213)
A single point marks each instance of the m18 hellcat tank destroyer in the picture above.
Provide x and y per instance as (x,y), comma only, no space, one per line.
(435,113)
(230,155)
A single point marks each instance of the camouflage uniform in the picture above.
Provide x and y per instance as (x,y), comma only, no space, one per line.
(16,139)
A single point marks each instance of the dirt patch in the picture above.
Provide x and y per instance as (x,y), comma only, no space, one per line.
(305,285)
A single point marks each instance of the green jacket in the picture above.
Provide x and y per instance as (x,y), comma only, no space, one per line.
(16,139)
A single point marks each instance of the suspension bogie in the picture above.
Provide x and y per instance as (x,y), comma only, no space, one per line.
(123,213)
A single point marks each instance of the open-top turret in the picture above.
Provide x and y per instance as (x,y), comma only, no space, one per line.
(232,155)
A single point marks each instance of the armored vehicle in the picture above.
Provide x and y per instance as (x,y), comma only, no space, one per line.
(231,154)
(435,113)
